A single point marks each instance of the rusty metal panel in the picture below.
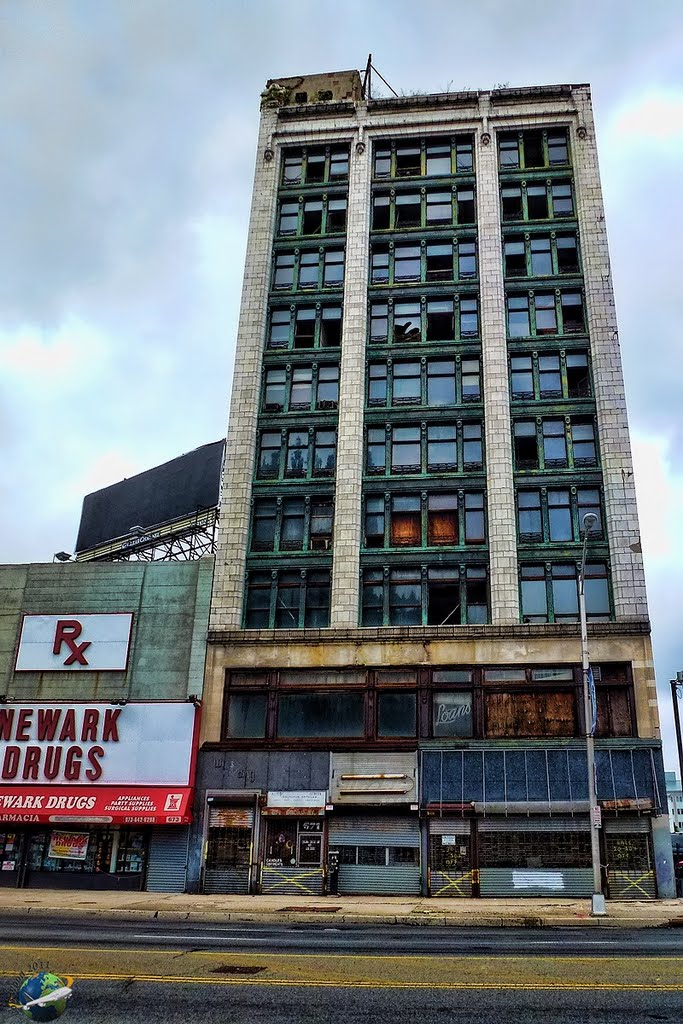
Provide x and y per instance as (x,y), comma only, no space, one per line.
(513,714)
(373,778)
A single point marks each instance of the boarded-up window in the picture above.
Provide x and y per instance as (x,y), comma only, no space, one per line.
(405,521)
(442,519)
(614,712)
(549,713)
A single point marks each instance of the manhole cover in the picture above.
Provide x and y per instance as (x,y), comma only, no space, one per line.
(236,969)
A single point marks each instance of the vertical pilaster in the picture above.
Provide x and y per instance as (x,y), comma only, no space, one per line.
(499,476)
(233,529)
(621,513)
(349,481)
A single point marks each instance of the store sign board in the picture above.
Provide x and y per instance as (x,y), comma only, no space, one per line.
(120,805)
(145,744)
(297,798)
(69,845)
(74,643)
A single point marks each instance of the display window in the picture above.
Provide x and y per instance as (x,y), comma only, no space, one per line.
(10,856)
(86,851)
(294,842)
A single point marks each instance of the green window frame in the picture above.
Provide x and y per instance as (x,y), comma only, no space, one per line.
(446,319)
(533,149)
(548,376)
(291,598)
(413,595)
(537,200)
(314,165)
(425,519)
(551,254)
(302,387)
(549,592)
(292,522)
(433,156)
(445,208)
(439,382)
(423,261)
(307,269)
(296,453)
(304,327)
(553,443)
(312,215)
(416,449)
(539,313)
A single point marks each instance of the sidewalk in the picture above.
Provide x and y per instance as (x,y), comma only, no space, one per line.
(386,910)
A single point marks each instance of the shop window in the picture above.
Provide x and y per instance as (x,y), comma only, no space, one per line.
(452,713)
(294,843)
(406,521)
(442,519)
(247,715)
(305,715)
(540,713)
(396,714)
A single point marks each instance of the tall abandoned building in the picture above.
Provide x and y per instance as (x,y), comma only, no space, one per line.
(427,410)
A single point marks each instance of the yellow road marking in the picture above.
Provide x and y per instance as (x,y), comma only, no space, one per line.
(356,956)
(445,986)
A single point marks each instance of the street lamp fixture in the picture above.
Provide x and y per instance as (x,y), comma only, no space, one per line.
(598,908)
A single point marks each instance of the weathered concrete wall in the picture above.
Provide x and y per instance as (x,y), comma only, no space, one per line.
(170,605)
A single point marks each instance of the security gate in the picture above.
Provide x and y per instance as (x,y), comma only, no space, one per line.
(630,869)
(167,859)
(377,855)
(229,849)
(450,857)
(535,856)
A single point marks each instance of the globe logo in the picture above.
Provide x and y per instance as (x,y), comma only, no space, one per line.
(44,996)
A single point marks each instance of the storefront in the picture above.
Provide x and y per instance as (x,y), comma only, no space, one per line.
(374,829)
(96,796)
(293,843)
(229,864)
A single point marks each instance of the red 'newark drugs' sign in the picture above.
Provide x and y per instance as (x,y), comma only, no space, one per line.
(132,805)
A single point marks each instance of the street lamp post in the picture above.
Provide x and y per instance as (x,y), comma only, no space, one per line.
(598,908)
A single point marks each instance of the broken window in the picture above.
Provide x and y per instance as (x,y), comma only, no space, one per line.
(533,149)
(439,262)
(408,163)
(313,217)
(408,210)
(374,521)
(330,327)
(567,254)
(440,322)
(537,202)
(465,205)
(381,211)
(443,596)
(526,445)
(336,216)
(304,327)
(322,517)
(315,166)
(514,254)
(511,198)
(572,312)
(407,322)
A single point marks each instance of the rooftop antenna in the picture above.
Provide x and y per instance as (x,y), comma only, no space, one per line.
(367,80)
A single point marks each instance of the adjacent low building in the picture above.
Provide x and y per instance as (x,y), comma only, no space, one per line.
(101,670)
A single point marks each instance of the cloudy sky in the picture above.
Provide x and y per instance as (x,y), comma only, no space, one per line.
(127,132)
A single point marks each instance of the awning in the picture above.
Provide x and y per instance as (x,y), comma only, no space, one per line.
(117,805)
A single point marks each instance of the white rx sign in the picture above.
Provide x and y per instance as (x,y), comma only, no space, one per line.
(64,643)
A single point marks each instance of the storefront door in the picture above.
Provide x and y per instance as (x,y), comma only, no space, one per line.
(630,867)
(229,849)
(451,866)
(293,858)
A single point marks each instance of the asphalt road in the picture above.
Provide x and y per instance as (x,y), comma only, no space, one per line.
(156,971)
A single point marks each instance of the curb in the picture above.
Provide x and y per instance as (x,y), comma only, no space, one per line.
(302,917)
